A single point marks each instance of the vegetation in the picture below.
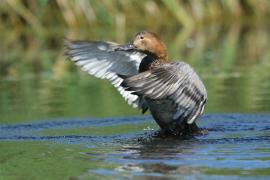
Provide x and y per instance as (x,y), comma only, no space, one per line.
(75,14)
(225,40)
(32,30)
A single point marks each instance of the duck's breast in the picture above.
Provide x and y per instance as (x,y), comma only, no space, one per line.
(163,111)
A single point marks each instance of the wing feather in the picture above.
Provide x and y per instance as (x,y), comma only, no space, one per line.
(175,81)
(102,60)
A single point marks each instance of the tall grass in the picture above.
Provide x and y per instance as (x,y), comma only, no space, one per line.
(33,30)
(77,13)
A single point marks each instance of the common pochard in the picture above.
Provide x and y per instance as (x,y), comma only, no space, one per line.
(140,70)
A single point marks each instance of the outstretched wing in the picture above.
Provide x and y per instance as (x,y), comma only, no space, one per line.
(175,81)
(103,60)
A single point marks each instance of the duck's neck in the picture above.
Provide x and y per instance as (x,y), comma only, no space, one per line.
(152,61)
(162,58)
(161,52)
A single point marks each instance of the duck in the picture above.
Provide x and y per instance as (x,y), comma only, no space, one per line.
(140,70)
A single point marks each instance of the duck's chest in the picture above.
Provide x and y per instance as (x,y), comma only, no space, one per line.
(162,110)
(149,62)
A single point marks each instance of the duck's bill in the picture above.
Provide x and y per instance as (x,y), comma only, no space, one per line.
(126,47)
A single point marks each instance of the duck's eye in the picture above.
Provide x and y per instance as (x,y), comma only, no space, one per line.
(141,37)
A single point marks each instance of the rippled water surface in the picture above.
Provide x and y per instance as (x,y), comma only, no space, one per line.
(59,123)
(236,146)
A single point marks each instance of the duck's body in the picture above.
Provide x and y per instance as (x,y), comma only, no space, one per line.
(140,70)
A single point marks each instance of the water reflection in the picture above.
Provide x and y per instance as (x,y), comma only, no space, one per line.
(120,147)
(228,147)
(159,157)
(233,61)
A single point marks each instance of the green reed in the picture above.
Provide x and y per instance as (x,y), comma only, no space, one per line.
(32,30)
(74,14)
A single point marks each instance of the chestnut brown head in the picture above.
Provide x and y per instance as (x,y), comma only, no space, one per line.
(149,42)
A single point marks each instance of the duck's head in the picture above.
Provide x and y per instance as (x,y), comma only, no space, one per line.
(148,43)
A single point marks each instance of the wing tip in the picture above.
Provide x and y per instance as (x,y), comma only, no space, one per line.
(66,44)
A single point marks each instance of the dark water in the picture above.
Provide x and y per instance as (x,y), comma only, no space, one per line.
(237,146)
(59,123)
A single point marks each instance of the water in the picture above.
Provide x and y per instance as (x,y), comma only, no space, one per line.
(236,146)
(59,123)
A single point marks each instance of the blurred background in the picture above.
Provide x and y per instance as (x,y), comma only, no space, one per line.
(226,41)
(57,122)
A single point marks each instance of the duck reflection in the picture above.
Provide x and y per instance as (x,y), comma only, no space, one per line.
(160,156)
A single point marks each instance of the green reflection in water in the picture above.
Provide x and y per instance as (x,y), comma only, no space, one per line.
(47,161)
(233,61)
(124,147)
(105,131)
(37,99)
